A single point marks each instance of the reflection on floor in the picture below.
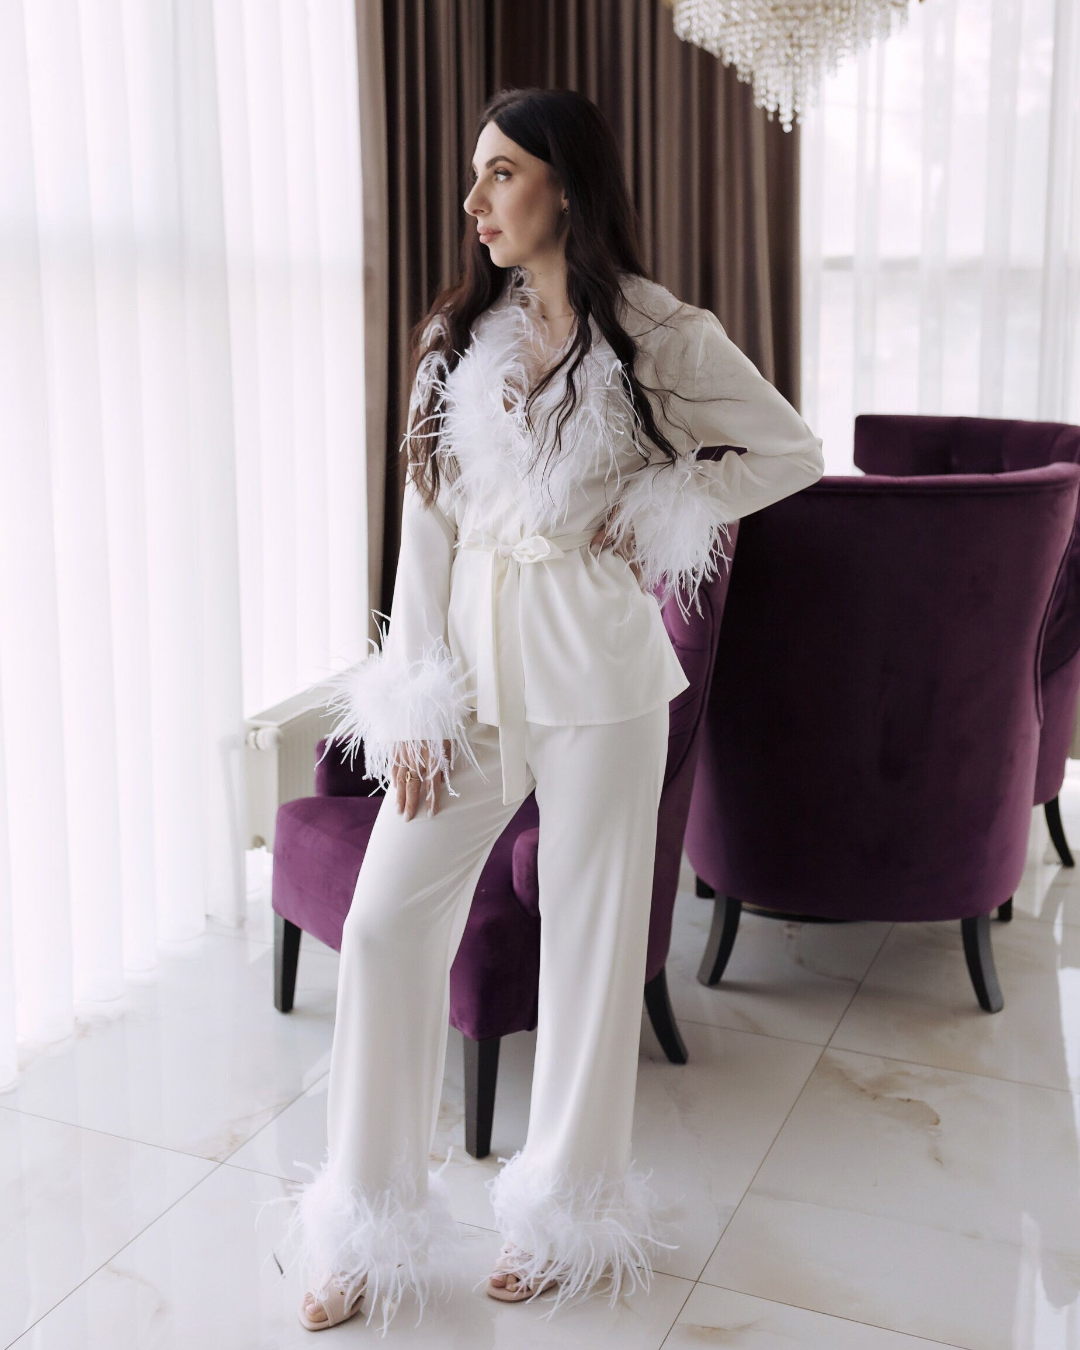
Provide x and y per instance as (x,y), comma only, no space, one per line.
(866,1160)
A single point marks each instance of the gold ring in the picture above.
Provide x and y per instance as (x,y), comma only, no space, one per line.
(408,776)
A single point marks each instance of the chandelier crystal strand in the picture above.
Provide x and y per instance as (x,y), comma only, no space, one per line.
(784,48)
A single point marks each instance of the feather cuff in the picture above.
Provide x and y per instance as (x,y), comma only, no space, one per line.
(677,527)
(393,706)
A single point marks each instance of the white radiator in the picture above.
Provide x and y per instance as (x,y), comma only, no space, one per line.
(279,759)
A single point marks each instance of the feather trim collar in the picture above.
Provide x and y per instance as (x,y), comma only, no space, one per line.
(485,444)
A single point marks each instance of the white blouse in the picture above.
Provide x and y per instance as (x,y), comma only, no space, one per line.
(500,608)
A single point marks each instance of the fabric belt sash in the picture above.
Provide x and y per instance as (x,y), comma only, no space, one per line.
(500,671)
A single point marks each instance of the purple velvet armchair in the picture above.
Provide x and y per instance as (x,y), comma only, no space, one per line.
(320,842)
(905,444)
(872,737)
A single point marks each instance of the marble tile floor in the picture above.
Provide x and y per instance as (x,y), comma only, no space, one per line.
(865,1159)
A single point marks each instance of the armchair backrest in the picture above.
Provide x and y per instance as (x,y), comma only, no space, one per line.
(875,707)
(906,444)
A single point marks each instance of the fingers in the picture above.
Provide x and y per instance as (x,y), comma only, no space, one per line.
(433,785)
(405,776)
(412,774)
(623,549)
(412,794)
(430,784)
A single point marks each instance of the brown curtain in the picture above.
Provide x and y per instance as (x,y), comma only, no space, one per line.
(377,364)
(714,181)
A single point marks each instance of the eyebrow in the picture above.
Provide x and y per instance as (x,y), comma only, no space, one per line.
(494,159)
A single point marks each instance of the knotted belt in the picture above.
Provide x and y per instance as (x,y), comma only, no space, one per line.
(500,671)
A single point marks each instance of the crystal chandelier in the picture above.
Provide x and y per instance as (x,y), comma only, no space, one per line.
(785,47)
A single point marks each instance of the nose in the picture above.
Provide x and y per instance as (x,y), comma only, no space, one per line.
(472,200)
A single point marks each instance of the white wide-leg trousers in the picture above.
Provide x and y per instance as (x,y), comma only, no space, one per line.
(569,1199)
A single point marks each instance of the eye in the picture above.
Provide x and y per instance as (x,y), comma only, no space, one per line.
(472,175)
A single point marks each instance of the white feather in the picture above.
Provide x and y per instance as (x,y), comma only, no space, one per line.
(485,444)
(580,1230)
(398,1240)
(676,526)
(396,708)
(664,514)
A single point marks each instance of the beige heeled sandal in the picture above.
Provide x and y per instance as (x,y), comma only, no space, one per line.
(508,1263)
(334,1305)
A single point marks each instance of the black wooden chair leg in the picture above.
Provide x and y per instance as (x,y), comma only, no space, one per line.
(725,924)
(1004,911)
(662,1016)
(702,889)
(481,1075)
(286,956)
(1057,832)
(980,962)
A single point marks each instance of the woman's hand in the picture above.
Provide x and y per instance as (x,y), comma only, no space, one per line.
(624,548)
(419,766)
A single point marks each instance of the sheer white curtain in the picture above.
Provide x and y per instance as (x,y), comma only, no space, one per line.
(182,500)
(941,222)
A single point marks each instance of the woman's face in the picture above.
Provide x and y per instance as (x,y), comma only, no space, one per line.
(515,194)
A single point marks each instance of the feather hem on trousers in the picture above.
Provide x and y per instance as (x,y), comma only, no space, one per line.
(580,1230)
(393,1243)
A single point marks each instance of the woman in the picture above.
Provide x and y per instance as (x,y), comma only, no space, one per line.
(548,496)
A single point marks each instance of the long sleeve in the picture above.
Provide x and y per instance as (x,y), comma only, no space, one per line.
(411,690)
(680,513)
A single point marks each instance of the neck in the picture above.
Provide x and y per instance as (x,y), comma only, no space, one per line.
(548,282)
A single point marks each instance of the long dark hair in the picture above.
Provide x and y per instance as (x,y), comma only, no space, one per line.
(569,132)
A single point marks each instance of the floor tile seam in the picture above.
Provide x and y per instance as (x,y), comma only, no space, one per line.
(966,1073)
(792,1040)
(1043,923)
(183,945)
(746,1191)
(776,1135)
(97,1269)
(151,978)
(772,1144)
(840,1317)
(276,1116)
(1019,918)
(678,1312)
(743,1031)
(1018,914)
(110,1134)
(856,982)
(167,1148)
(1006,1244)
(321,950)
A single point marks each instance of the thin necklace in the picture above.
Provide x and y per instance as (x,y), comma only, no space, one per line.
(556,316)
